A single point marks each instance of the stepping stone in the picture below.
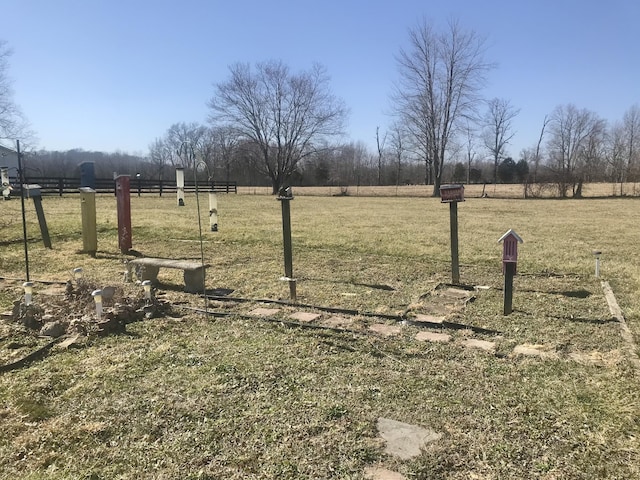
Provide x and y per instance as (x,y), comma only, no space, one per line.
(456,293)
(338,322)
(433,337)
(385,330)
(264,312)
(305,317)
(480,344)
(379,473)
(421,317)
(403,439)
(533,351)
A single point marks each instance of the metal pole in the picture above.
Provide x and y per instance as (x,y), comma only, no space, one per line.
(455,265)
(24,217)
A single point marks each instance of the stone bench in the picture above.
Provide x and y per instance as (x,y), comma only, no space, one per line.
(147,268)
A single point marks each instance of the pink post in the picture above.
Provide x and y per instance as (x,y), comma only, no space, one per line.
(123,196)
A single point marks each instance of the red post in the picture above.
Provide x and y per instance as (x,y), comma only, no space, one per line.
(123,196)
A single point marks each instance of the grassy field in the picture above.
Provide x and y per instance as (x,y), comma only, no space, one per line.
(195,396)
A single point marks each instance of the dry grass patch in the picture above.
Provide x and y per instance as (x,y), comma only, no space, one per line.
(186,396)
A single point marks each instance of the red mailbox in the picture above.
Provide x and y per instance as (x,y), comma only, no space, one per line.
(451,193)
(510,241)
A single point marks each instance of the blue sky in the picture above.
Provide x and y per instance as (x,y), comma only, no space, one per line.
(113,75)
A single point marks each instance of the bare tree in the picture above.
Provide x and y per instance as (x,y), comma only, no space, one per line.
(631,138)
(286,116)
(13,124)
(187,141)
(397,144)
(160,156)
(226,144)
(575,136)
(380,144)
(498,129)
(470,148)
(441,74)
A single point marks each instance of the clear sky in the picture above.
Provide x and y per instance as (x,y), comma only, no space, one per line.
(113,75)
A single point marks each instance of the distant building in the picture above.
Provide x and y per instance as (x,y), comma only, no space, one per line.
(9,158)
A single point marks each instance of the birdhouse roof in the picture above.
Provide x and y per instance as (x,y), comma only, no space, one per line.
(510,233)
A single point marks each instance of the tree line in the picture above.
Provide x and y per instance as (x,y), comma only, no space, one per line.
(269,125)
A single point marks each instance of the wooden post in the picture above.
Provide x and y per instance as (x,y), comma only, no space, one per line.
(455,264)
(452,194)
(285,198)
(509,272)
(37,202)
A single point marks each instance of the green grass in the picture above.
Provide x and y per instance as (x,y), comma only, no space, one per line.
(186,396)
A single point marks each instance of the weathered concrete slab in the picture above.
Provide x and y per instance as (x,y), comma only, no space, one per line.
(380,473)
(421,317)
(305,317)
(386,330)
(480,344)
(433,337)
(338,322)
(264,312)
(538,351)
(403,439)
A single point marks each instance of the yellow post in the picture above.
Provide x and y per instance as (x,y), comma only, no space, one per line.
(89,231)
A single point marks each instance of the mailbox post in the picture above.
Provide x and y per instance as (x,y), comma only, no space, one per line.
(452,194)
(510,241)
(285,196)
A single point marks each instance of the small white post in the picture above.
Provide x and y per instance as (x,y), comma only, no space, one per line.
(213,211)
(97,297)
(28,292)
(597,254)
(180,185)
(147,290)
(6,187)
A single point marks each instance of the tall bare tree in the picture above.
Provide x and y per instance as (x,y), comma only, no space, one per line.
(13,124)
(498,129)
(631,137)
(380,144)
(286,116)
(441,74)
(575,137)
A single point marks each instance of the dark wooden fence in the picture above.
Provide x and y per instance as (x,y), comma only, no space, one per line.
(138,186)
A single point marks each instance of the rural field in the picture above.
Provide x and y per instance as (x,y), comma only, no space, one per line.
(240,385)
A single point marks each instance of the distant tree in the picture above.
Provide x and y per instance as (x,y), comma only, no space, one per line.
(575,137)
(380,146)
(398,147)
(13,125)
(441,74)
(522,170)
(631,140)
(475,175)
(160,157)
(469,147)
(226,149)
(459,173)
(498,129)
(286,116)
(507,170)
(188,142)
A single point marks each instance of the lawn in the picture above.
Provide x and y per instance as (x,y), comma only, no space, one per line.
(235,395)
